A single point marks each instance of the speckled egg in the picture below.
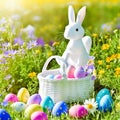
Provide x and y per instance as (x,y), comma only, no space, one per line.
(60,108)
(101,93)
(4,115)
(78,111)
(23,95)
(106,103)
(80,73)
(70,72)
(34,99)
(31,109)
(18,106)
(39,116)
(58,77)
(47,104)
(50,76)
(11,98)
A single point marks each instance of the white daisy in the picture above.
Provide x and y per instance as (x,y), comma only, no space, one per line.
(91,105)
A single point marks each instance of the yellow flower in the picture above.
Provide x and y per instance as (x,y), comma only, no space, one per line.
(113,56)
(37,51)
(49,53)
(117,71)
(106,36)
(101,72)
(100,62)
(117,107)
(118,47)
(95,35)
(56,43)
(108,59)
(105,46)
(107,66)
(118,55)
(32,74)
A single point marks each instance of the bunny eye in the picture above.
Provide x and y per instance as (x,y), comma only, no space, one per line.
(76,29)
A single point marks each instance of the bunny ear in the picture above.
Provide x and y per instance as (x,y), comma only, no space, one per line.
(81,15)
(71,14)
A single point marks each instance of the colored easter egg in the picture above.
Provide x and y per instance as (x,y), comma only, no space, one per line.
(11,98)
(105,103)
(58,77)
(39,115)
(34,99)
(23,95)
(60,108)
(4,115)
(80,72)
(31,109)
(70,72)
(47,104)
(50,76)
(18,106)
(101,93)
(78,111)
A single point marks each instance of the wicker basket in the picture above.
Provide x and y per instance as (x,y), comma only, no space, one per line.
(67,90)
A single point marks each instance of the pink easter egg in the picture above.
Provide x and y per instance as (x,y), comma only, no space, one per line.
(39,116)
(11,98)
(70,72)
(58,77)
(78,111)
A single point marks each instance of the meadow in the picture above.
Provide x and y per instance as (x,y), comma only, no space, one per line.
(28,36)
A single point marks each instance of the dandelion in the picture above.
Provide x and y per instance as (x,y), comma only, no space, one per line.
(113,56)
(105,46)
(117,71)
(100,62)
(32,75)
(94,35)
(91,105)
(108,59)
(101,72)
(118,55)
(37,51)
(117,106)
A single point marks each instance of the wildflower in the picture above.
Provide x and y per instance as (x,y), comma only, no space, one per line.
(32,74)
(95,35)
(101,72)
(117,106)
(105,46)
(56,43)
(51,43)
(113,56)
(40,42)
(31,44)
(2,29)
(15,17)
(106,37)
(4,103)
(8,77)
(118,47)
(108,59)
(106,27)
(3,21)
(36,18)
(117,71)
(100,62)
(107,66)
(118,55)
(37,51)
(18,41)
(10,53)
(91,105)
(49,53)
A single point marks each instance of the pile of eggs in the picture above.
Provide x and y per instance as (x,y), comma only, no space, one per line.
(36,108)
(72,72)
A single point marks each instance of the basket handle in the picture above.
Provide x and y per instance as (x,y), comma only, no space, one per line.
(63,67)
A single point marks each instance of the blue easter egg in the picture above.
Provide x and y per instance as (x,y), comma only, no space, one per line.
(4,115)
(60,108)
(18,106)
(101,93)
(105,103)
(47,104)
(34,99)
(51,76)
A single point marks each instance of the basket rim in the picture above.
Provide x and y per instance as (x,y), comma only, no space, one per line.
(40,77)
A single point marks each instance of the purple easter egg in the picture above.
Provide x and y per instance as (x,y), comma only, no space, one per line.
(39,116)
(78,111)
(80,72)
(11,98)
(70,72)
(58,77)
(34,99)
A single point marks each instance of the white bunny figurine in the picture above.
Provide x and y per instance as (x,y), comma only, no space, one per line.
(78,48)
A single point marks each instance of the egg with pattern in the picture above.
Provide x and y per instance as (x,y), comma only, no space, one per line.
(4,115)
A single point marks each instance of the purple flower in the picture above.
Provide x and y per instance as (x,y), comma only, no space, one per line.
(8,77)
(6,44)
(15,17)
(10,53)
(51,43)
(40,42)
(2,29)
(118,26)
(2,60)
(3,21)
(31,44)
(93,77)
(18,41)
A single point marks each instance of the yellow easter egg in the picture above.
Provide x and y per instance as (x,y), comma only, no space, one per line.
(23,95)
(31,109)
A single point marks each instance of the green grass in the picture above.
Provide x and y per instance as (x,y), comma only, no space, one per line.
(21,65)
